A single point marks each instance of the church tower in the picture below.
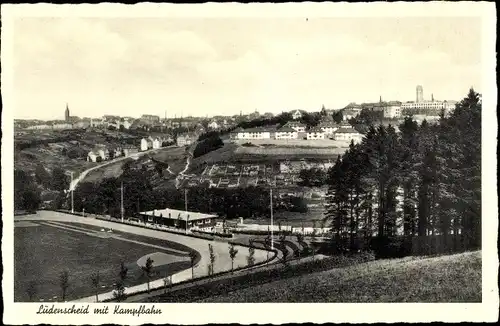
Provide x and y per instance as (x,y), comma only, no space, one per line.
(66,113)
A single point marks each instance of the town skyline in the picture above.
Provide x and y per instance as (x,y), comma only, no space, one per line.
(223,66)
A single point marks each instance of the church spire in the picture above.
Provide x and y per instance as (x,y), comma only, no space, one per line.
(66,113)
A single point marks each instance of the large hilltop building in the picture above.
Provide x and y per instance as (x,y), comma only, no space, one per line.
(429,108)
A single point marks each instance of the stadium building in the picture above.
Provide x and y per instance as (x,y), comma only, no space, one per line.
(179,219)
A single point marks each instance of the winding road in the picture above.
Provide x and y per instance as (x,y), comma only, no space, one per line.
(182,173)
(137,155)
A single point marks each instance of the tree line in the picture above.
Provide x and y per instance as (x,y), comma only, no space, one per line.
(423,182)
(140,195)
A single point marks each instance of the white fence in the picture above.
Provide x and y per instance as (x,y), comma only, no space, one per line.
(276,228)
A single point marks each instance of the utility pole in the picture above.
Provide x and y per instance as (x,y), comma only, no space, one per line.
(121,207)
(186,208)
(272,233)
(71,188)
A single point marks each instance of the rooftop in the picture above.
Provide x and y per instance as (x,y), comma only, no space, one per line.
(178,214)
(347,131)
(285,129)
(315,129)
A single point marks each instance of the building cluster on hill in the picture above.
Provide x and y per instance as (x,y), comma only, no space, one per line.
(419,109)
(295,130)
(103,153)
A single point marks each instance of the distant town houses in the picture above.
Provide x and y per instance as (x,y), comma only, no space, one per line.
(348,114)
(213,125)
(148,118)
(129,150)
(99,153)
(328,128)
(296,115)
(393,110)
(347,134)
(151,143)
(297,126)
(256,133)
(234,134)
(432,107)
(286,133)
(186,139)
(315,133)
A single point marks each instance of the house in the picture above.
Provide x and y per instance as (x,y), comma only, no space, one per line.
(113,123)
(62,126)
(107,118)
(392,110)
(286,133)
(99,153)
(348,114)
(157,143)
(353,107)
(315,133)
(185,139)
(148,118)
(234,134)
(296,115)
(347,134)
(199,130)
(255,133)
(81,125)
(126,124)
(328,128)
(92,156)
(129,150)
(115,151)
(213,125)
(146,144)
(297,126)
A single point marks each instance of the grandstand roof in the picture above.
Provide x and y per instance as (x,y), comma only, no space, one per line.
(178,214)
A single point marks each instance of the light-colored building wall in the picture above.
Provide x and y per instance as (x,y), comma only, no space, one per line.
(392,111)
(144,144)
(292,134)
(315,135)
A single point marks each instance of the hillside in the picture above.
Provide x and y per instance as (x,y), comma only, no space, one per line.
(454,278)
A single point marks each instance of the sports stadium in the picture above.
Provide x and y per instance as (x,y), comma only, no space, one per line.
(48,244)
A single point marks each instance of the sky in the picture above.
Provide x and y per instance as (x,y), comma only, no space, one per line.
(196,66)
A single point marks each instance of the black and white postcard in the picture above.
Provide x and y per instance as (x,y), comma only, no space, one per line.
(160,161)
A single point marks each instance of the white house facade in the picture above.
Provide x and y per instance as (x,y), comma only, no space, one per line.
(348,134)
(296,115)
(156,143)
(315,133)
(144,144)
(254,133)
(297,126)
(286,133)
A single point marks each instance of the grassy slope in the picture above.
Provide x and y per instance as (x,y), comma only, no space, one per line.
(455,278)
